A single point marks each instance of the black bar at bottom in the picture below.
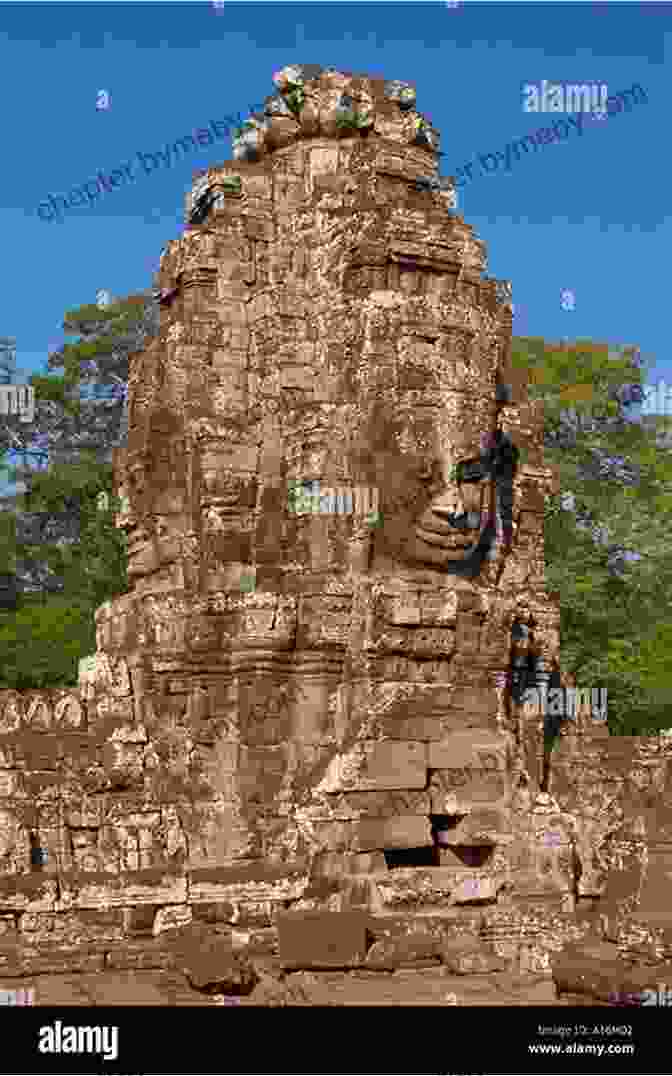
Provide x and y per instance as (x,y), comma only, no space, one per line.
(236,1038)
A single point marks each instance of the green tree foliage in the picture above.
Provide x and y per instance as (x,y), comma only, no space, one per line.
(41,644)
(616,627)
(42,640)
(66,419)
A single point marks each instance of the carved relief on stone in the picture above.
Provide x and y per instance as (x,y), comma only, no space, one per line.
(324,621)
(100,673)
(88,672)
(203,634)
(11,712)
(172,833)
(120,681)
(84,844)
(124,760)
(198,707)
(268,617)
(399,625)
(175,332)
(38,714)
(168,634)
(13,843)
(266,722)
(214,520)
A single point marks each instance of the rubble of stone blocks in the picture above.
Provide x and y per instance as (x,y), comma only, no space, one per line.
(302,714)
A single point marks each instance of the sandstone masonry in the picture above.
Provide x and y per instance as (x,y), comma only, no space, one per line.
(290,715)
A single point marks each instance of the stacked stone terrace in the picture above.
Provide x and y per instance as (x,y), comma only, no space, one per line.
(292,712)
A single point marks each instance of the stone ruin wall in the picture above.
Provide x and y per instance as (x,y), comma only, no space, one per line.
(230,752)
(127,857)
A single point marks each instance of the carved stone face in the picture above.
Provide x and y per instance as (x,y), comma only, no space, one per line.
(447,489)
(458,529)
(153,547)
(152,520)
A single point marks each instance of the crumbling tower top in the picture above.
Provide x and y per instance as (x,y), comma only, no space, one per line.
(317,103)
(313,102)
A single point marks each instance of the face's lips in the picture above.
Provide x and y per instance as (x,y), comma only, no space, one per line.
(435,532)
(447,527)
(463,544)
(459,543)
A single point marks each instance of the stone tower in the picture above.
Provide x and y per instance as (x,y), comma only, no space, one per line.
(333,494)
(326,321)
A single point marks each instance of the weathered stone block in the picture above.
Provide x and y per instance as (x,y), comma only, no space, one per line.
(371,765)
(470,956)
(210,963)
(27,892)
(50,960)
(154,886)
(322,939)
(412,949)
(412,728)
(482,826)
(265,883)
(479,888)
(595,969)
(140,956)
(140,920)
(337,864)
(454,791)
(470,749)
(171,918)
(387,804)
(222,911)
(11,784)
(8,928)
(409,831)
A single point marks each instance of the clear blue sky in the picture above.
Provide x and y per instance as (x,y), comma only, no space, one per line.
(590,214)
